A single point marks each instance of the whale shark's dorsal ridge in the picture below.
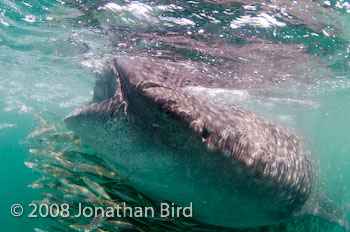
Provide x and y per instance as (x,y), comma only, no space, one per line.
(185,146)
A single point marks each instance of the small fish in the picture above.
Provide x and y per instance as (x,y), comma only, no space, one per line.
(49,195)
(78,155)
(65,149)
(82,190)
(35,186)
(100,230)
(47,153)
(67,190)
(125,196)
(45,142)
(122,225)
(80,228)
(54,198)
(101,171)
(62,136)
(30,164)
(159,218)
(84,157)
(54,170)
(43,201)
(96,188)
(79,189)
(96,222)
(6,125)
(41,131)
(72,197)
(39,230)
(42,160)
(52,185)
(96,201)
(42,121)
(42,180)
(64,181)
(36,167)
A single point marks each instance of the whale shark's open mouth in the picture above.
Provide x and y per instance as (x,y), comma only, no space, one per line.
(179,145)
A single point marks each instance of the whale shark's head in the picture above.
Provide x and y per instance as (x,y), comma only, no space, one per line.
(148,111)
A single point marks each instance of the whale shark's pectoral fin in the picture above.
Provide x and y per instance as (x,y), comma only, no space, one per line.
(105,86)
(112,93)
(321,206)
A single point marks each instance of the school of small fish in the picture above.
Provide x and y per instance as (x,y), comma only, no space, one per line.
(73,175)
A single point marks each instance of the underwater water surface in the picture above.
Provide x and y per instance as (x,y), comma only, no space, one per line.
(52,50)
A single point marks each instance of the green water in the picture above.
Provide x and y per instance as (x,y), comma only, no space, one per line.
(48,49)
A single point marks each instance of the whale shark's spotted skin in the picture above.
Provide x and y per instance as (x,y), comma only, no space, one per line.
(258,143)
(239,169)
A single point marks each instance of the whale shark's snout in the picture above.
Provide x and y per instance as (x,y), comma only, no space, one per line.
(237,169)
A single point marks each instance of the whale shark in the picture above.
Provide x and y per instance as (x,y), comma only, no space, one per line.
(237,168)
